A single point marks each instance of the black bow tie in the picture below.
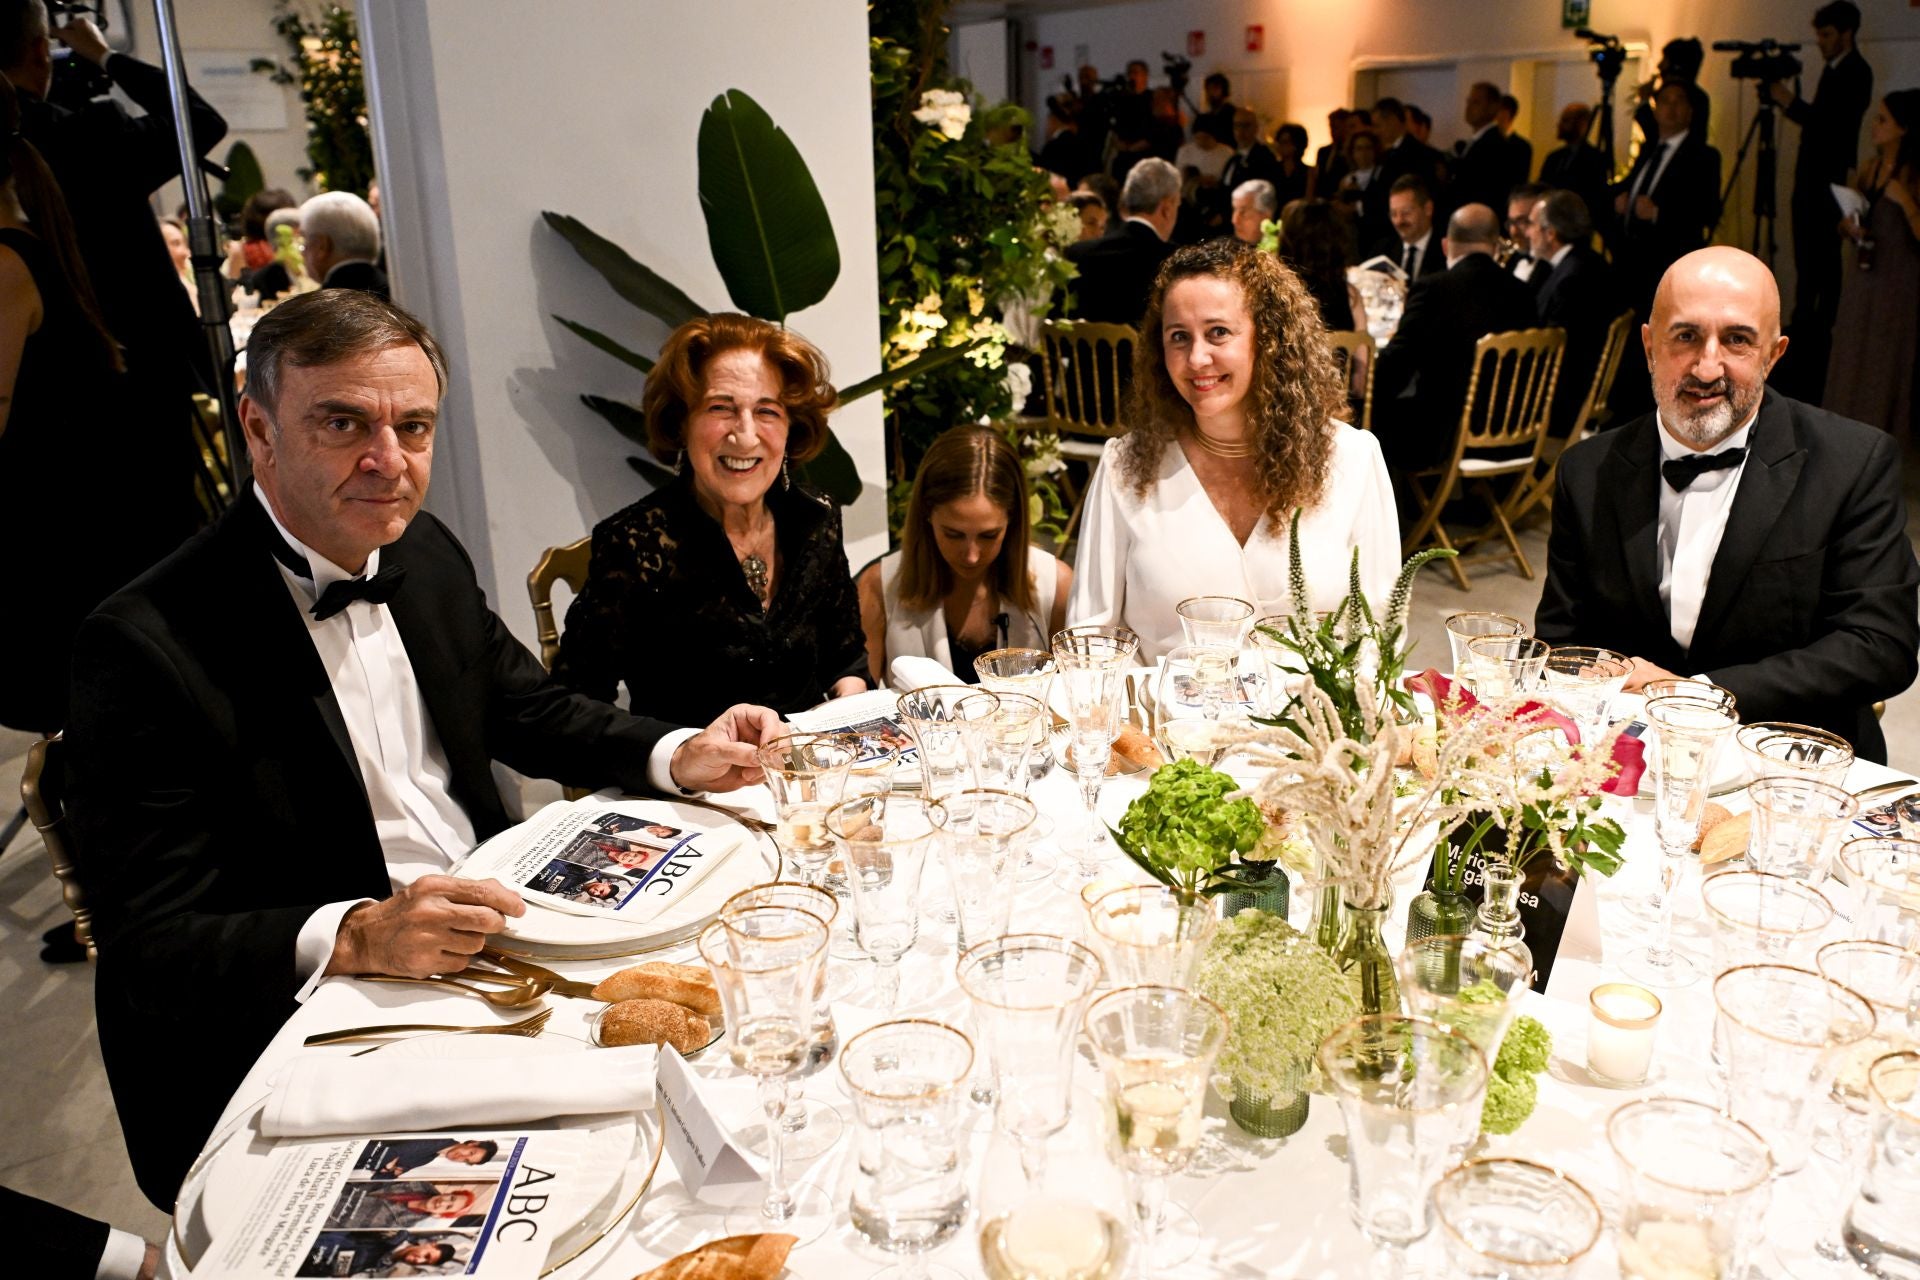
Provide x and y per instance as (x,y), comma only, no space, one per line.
(1681,472)
(378,589)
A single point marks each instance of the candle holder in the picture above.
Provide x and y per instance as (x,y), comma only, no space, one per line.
(1621,1022)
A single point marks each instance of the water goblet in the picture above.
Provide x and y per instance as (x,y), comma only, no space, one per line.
(1797,825)
(766,963)
(1514,1220)
(1214,620)
(809,1130)
(1070,1224)
(1466,983)
(1758,918)
(931,715)
(1505,667)
(1000,740)
(1882,1227)
(1156,1047)
(807,773)
(884,841)
(979,833)
(1149,935)
(1778,749)
(1888,978)
(1028,671)
(1585,680)
(1195,701)
(1410,1093)
(1282,673)
(1883,876)
(1687,736)
(1030,992)
(1468,625)
(1693,1184)
(1679,687)
(1090,663)
(909,1184)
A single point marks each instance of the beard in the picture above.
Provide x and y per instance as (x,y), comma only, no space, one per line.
(1705,427)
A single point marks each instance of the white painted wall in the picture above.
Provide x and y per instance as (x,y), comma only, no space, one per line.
(483,118)
(978,52)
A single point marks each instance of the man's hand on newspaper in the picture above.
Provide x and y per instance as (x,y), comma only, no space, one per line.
(723,756)
(434,925)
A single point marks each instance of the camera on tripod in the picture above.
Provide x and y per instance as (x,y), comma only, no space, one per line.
(1763,60)
(76,81)
(1608,54)
(1179,70)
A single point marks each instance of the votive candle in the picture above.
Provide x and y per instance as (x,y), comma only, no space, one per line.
(1620,1029)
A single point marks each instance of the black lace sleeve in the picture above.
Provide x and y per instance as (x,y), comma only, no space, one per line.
(843,643)
(594,645)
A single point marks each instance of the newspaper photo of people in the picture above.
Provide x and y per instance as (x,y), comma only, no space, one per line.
(428,1157)
(390,1253)
(572,882)
(411,1203)
(879,736)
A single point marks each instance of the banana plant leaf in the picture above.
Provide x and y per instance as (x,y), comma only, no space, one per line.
(626,418)
(640,285)
(608,345)
(766,222)
(925,362)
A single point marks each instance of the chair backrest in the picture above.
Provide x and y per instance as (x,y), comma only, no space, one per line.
(1348,347)
(566,564)
(213,470)
(1088,366)
(43,792)
(1612,353)
(1511,391)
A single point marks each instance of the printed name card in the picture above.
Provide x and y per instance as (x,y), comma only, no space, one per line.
(1560,912)
(702,1149)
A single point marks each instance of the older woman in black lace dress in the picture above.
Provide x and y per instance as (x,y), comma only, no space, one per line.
(731,584)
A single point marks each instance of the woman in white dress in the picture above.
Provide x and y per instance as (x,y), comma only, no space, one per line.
(965,580)
(1233,427)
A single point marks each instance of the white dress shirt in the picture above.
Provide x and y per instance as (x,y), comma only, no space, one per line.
(1420,248)
(1140,557)
(1692,522)
(125,1253)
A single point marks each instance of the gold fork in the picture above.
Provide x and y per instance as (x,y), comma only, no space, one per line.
(509,991)
(528,1027)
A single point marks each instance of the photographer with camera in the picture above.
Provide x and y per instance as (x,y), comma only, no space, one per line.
(1829,140)
(1680,62)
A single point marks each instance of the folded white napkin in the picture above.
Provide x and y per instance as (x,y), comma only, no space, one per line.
(909,672)
(315,1096)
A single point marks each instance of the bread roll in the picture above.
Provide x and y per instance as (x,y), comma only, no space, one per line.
(731,1258)
(1727,839)
(686,984)
(654,1022)
(1710,817)
(1137,748)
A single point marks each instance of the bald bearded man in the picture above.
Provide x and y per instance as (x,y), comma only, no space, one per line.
(1735,533)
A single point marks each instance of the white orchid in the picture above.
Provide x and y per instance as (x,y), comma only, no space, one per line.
(945,109)
(1019,382)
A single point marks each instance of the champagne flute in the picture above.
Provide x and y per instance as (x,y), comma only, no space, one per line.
(884,842)
(1090,662)
(806,772)
(766,963)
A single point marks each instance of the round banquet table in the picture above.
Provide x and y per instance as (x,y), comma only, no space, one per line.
(1265,1207)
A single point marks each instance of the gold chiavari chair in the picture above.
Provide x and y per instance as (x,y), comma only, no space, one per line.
(1502,424)
(566,564)
(213,470)
(1087,367)
(43,791)
(1593,414)
(1355,352)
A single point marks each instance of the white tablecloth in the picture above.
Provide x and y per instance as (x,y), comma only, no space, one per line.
(1267,1207)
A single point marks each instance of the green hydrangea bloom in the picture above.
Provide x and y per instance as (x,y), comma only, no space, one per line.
(1510,1100)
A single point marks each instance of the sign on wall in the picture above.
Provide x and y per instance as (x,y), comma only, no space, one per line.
(1196,43)
(1256,38)
(250,101)
(1579,13)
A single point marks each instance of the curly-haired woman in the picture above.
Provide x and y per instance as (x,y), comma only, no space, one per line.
(1233,426)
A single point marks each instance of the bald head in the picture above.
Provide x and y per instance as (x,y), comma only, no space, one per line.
(1713,337)
(1473,228)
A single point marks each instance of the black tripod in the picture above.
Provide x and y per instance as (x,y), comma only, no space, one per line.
(1766,168)
(1602,122)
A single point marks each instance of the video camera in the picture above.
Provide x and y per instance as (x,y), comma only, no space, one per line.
(76,81)
(1761,60)
(1179,70)
(1608,54)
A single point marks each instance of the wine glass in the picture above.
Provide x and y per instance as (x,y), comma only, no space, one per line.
(1693,1185)
(809,1131)
(1884,874)
(1197,691)
(1219,621)
(1028,671)
(806,772)
(1090,663)
(1150,935)
(1000,739)
(1070,1223)
(1779,749)
(1156,1047)
(884,842)
(909,1192)
(1882,1228)
(1797,825)
(1514,1220)
(1466,625)
(1585,680)
(766,963)
(1679,687)
(979,831)
(1467,984)
(1688,734)
(1504,667)
(931,715)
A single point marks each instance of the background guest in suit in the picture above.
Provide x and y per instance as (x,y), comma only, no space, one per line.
(1117,270)
(1669,202)
(1420,384)
(1254,202)
(1363,172)
(1216,92)
(340,235)
(1065,151)
(1573,290)
(51,1243)
(1736,533)
(1292,178)
(1520,203)
(1829,141)
(1093,214)
(354,737)
(1414,244)
(1330,163)
(1519,150)
(1251,157)
(1680,62)
(1479,172)
(1419,124)
(1577,165)
(1401,155)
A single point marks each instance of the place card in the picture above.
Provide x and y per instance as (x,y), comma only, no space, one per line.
(702,1149)
(1559,910)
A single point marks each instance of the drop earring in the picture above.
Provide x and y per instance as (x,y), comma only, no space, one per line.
(786,477)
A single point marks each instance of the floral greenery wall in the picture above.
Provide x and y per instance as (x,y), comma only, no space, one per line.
(969,241)
(324,61)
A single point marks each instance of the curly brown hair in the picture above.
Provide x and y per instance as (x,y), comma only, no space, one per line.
(678,381)
(1295,394)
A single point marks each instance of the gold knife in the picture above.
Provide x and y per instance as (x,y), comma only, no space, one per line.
(528,969)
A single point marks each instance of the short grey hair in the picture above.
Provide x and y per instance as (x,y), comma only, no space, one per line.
(326,326)
(348,222)
(1566,215)
(1149,184)
(1259,193)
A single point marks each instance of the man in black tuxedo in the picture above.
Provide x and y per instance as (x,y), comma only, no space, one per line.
(1734,533)
(1670,200)
(1680,62)
(341,237)
(1573,290)
(1330,162)
(1520,203)
(1829,142)
(1519,150)
(49,1242)
(1401,155)
(282,735)
(1117,270)
(1577,165)
(1420,382)
(1479,171)
(1414,244)
(1252,160)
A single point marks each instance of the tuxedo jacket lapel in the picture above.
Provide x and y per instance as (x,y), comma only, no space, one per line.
(1633,472)
(1775,457)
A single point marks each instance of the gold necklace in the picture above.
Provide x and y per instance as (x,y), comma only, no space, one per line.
(1219,450)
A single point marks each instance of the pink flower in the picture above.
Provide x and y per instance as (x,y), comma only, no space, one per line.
(1629,758)
(1628,751)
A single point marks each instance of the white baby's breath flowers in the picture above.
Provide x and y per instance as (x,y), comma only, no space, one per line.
(946,110)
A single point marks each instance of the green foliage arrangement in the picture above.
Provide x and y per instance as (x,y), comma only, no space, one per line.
(1282,996)
(1512,1087)
(244,179)
(324,61)
(1184,832)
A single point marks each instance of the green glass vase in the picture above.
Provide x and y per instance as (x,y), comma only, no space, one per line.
(1363,956)
(1434,912)
(1271,895)
(1271,1115)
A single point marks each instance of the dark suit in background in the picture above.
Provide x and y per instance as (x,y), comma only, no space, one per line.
(1481,173)
(1410,156)
(1812,608)
(1519,162)
(1257,162)
(364,276)
(1420,382)
(1582,169)
(217,802)
(1687,194)
(1394,249)
(48,1242)
(1829,144)
(1329,166)
(1116,273)
(1578,296)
